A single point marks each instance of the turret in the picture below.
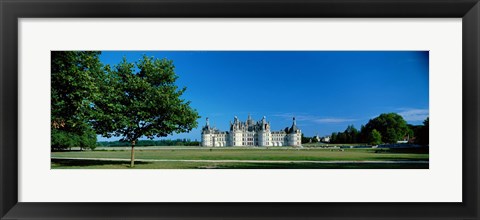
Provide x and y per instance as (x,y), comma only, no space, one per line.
(249,121)
(294,134)
(263,134)
(206,134)
(294,128)
(206,129)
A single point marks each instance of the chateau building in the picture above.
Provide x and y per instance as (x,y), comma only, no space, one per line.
(251,133)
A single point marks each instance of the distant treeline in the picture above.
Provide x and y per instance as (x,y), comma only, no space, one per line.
(176,142)
(388,128)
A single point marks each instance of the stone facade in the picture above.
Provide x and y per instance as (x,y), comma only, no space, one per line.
(251,133)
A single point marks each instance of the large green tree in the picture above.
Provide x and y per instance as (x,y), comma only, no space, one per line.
(74,75)
(142,100)
(391,126)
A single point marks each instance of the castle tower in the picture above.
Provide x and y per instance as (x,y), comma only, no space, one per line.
(236,132)
(206,135)
(294,135)
(264,133)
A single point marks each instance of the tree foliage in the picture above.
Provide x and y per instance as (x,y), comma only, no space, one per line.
(63,139)
(306,139)
(350,135)
(374,138)
(73,88)
(334,137)
(142,100)
(423,133)
(391,126)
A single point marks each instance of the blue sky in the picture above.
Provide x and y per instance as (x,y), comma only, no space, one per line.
(325,90)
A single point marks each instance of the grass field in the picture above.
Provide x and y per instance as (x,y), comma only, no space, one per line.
(299,158)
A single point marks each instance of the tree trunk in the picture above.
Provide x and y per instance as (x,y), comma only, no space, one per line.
(132,161)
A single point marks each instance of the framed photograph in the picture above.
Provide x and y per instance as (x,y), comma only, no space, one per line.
(227,109)
(297,134)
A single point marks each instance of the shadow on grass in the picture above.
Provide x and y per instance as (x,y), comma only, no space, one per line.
(398,159)
(418,150)
(84,163)
(318,166)
(96,164)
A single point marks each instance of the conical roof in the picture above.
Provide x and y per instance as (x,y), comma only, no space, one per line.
(294,127)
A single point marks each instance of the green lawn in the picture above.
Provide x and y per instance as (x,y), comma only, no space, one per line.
(278,154)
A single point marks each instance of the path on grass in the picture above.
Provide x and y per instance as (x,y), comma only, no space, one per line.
(254,161)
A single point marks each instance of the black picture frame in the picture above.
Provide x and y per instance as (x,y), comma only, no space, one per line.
(11,11)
